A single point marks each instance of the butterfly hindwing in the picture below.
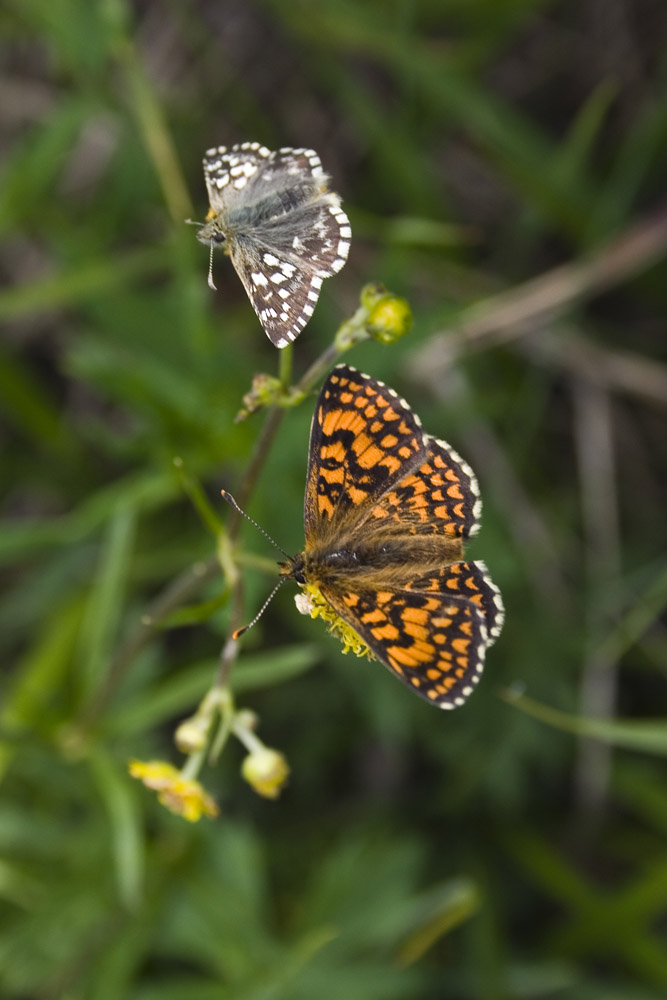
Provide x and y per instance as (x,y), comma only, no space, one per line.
(283,267)
(472,581)
(434,644)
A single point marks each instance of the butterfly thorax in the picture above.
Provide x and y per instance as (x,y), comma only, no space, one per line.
(244,218)
(389,563)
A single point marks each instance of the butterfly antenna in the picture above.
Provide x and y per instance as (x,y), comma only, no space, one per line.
(210,268)
(240,631)
(191,222)
(230,500)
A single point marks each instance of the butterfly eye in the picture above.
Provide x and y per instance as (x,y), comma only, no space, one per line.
(218,238)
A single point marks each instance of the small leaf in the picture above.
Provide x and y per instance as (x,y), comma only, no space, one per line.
(436,913)
(648,735)
(127,839)
(193,614)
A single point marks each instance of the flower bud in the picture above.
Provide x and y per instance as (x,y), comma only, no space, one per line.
(266,770)
(247,719)
(265,391)
(389,319)
(192,734)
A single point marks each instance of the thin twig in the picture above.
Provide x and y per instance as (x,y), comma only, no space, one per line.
(230,649)
(257,459)
(597,474)
(516,312)
(178,592)
(616,371)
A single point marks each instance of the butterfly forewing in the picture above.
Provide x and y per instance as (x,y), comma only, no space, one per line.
(231,173)
(364,439)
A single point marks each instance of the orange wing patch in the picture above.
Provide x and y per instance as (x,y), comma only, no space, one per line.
(437,648)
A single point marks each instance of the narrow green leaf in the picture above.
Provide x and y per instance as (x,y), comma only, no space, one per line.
(193,488)
(40,674)
(638,154)
(32,168)
(194,614)
(90,281)
(649,736)
(117,792)
(645,609)
(281,665)
(414,231)
(178,694)
(103,612)
(25,403)
(573,157)
(435,914)
(25,536)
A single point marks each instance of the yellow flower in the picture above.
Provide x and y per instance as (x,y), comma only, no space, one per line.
(310,602)
(183,796)
(266,770)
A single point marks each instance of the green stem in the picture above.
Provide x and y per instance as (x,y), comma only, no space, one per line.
(193,488)
(193,764)
(250,741)
(351,332)
(177,593)
(257,460)
(154,130)
(313,374)
(285,367)
(224,729)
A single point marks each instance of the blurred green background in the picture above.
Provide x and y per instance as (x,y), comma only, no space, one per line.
(503,166)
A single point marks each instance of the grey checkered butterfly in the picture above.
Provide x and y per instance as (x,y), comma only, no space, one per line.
(283,229)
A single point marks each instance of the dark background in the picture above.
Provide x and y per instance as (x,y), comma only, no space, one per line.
(503,166)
